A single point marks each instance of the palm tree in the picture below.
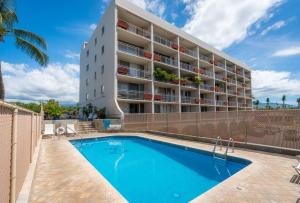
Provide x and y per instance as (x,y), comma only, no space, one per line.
(268,102)
(256,103)
(298,101)
(28,42)
(283,99)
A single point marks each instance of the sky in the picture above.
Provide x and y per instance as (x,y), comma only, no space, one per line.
(263,34)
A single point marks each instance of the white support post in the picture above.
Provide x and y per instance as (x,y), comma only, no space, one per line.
(13,172)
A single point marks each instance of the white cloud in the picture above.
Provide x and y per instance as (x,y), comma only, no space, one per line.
(93,26)
(56,81)
(275,26)
(157,7)
(224,22)
(269,83)
(72,55)
(291,51)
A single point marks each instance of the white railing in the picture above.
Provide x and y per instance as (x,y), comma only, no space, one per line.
(204,58)
(207,87)
(232,92)
(135,29)
(207,101)
(221,103)
(207,73)
(168,60)
(189,100)
(165,98)
(132,94)
(231,69)
(131,49)
(135,72)
(187,66)
(188,52)
(163,41)
(231,80)
(220,77)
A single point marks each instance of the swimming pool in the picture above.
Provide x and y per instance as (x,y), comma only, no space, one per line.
(145,170)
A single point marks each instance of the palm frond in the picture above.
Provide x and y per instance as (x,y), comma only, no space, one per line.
(9,17)
(33,51)
(29,36)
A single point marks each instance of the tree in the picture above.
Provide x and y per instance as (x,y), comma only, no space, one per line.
(52,109)
(31,106)
(256,103)
(28,42)
(298,101)
(268,103)
(283,99)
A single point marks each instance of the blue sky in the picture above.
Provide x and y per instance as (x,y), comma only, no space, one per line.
(263,34)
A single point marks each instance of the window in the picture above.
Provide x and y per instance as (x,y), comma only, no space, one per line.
(87,53)
(102,89)
(87,82)
(87,67)
(94,92)
(102,69)
(95,58)
(102,31)
(95,41)
(86,96)
(102,50)
(95,75)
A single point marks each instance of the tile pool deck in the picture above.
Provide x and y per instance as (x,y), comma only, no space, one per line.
(64,175)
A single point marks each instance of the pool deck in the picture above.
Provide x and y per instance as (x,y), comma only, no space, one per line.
(63,175)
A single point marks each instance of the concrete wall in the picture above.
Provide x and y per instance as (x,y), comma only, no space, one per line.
(108,59)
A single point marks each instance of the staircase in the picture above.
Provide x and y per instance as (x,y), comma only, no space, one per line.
(86,127)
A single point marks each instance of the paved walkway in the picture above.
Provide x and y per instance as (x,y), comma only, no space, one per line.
(63,175)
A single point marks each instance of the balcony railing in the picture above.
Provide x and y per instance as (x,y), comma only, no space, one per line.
(231,69)
(239,72)
(189,100)
(232,81)
(133,72)
(134,95)
(220,77)
(166,60)
(219,64)
(204,58)
(134,50)
(207,101)
(232,103)
(241,105)
(241,94)
(207,87)
(247,76)
(206,73)
(240,83)
(132,28)
(232,92)
(220,89)
(189,83)
(188,67)
(165,42)
(221,102)
(165,98)
(188,51)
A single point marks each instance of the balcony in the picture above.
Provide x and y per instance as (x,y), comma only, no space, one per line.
(220,89)
(188,51)
(134,29)
(204,101)
(232,92)
(188,67)
(189,100)
(239,83)
(248,95)
(240,94)
(241,105)
(204,58)
(124,47)
(248,76)
(232,103)
(232,81)
(220,77)
(206,73)
(165,42)
(221,102)
(134,95)
(165,98)
(239,72)
(207,87)
(219,64)
(231,69)
(166,60)
(133,72)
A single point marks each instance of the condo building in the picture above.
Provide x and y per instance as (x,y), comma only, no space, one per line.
(136,62)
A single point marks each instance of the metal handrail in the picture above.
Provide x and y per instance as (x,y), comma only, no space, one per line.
(216,144)
(228,145)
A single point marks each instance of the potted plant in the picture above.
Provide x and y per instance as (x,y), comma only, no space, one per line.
(174,46)
(157,97)
(182,49)
(123,24)
(147,54)
(183,81)
(156,57)
(147,96)
(123,70)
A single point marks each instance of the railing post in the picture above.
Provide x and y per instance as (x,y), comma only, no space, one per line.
(31,138)
(13,171)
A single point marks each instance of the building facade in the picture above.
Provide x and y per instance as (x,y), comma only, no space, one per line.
(136,62)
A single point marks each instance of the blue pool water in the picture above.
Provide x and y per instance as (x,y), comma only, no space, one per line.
(144,170)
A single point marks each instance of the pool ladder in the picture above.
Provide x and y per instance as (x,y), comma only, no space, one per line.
(220,144)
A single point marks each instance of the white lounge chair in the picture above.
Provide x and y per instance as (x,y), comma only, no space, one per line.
(49,129)
(71,129)
(297,168)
